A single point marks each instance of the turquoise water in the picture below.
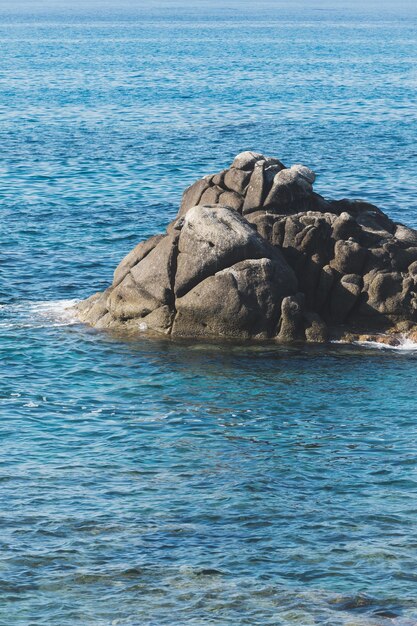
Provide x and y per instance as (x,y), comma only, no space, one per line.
(151,482)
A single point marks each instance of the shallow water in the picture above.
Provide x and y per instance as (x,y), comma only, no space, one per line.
(153,482)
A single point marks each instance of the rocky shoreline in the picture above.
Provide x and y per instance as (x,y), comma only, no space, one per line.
(255,253)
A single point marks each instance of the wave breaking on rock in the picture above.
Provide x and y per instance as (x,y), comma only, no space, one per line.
(255,253)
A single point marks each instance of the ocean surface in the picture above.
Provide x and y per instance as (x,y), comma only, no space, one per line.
(158,483)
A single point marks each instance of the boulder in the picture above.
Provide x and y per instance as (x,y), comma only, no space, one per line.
(255,252)
(256,190)
(211,195)
(192,196)
(231,199)
(148,285)
(134,257)
(236,180)
(246,160)
(211,275)
(314,328)
(349,257)
(292,319)
(241,301)
(213,238)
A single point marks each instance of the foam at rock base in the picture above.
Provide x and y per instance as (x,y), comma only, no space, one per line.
(38,314)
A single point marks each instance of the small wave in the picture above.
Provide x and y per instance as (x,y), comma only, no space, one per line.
(30,314)
(404,345)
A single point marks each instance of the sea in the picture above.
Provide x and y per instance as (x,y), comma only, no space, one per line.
(150,482)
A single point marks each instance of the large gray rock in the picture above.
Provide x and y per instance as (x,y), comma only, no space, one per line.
(236,180)
(192,195)
(240,301)
(256,253)
(148,285)
(211,275)
(213,238)
(290,186)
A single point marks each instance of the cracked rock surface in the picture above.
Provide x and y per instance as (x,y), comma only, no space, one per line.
(255,253)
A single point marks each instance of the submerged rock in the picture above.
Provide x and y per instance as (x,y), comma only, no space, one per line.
(255,253)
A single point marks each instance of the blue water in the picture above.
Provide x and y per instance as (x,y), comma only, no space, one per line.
(159,483)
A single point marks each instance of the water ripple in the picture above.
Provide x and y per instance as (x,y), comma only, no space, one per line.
(158,482)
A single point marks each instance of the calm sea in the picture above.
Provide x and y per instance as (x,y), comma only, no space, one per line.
(155,483)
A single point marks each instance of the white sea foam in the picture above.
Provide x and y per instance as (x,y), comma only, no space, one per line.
(30,314)
(405,345)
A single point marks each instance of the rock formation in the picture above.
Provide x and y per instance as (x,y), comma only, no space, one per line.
(255,253)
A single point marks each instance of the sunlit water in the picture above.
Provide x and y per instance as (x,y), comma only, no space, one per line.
(151,482)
